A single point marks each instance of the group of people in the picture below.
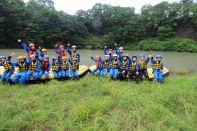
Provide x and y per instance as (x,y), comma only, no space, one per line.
(120,66)
(37,63)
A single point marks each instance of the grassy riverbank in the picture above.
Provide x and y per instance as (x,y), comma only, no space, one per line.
(97,103)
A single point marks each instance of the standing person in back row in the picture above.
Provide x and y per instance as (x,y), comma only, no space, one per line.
(59,49)
(73,53)
(143,66)
(108,52)
(119,52)
(43,52)
(30,49)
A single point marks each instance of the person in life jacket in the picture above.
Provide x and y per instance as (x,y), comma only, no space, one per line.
(73,53)
(105,66)
(45,67)
(43,52)
(64,68)
(157,68)
(123,67)
(129,59)
(8,66)
(97,70)
(34,68)
(143,66)
(59,49)
(134,69)
(74,67)
(108,52)
(114,67)
(56,68)
(30,49)
(119,52)
(20,76)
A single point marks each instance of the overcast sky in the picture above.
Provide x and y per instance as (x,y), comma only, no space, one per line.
(71,6)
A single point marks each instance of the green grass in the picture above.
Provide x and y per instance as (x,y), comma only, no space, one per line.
(100,104)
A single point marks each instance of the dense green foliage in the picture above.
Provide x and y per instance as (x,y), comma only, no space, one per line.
(38,21)
(179,45)
(99,104)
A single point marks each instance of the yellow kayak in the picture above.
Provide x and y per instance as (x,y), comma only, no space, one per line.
(83,70)
(150,71)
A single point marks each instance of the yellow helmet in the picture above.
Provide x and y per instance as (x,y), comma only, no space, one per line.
(98,56)
(63,57)
(21,57)
(31,44)
(43,50)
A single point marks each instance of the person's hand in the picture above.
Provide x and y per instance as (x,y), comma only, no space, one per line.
(12,54)
(150,56)
(19,40)
(56,45)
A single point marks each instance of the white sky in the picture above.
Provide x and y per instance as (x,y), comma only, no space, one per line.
(71,6)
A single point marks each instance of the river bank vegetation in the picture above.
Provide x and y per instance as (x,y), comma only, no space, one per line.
(96,103)
(163,27)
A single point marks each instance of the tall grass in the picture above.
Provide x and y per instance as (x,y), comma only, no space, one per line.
(100,104)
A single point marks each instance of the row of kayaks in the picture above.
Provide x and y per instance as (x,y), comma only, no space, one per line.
(83,70)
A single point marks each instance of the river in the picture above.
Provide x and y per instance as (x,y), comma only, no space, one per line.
(172,60)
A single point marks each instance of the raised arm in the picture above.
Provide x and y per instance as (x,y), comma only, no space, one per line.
(147,60)
(69,51)
(105,50)
(78,57)
(152,60)
(24,46)
(57,51)
(117,50)
(93,59)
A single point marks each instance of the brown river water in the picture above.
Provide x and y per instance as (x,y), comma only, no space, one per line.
(171,60)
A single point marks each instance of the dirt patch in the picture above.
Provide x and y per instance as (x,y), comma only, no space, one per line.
(187,30)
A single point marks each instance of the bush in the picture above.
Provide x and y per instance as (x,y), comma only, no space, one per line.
(175,44)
